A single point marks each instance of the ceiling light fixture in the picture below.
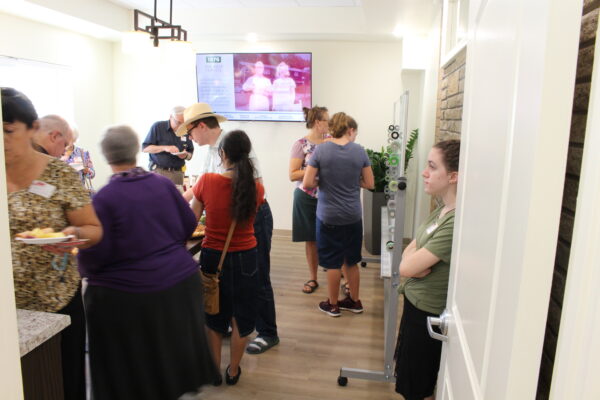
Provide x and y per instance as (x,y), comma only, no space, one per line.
(157,28)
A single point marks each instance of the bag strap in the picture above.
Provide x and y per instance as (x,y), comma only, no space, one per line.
(224,253)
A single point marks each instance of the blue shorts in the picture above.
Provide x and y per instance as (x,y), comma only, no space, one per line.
(339,244)
(238,289)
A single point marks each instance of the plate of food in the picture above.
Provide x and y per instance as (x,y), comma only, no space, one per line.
(199,231)
(42,236)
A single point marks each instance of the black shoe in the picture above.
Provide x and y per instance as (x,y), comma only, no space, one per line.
(218,380)
(232,380)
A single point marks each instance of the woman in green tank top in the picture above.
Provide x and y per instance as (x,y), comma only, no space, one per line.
(426,264)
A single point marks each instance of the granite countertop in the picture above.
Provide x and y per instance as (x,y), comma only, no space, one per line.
(36,327)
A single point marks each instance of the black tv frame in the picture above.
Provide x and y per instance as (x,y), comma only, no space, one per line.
(256,52)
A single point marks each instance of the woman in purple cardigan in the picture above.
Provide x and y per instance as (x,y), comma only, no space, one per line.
(143,301)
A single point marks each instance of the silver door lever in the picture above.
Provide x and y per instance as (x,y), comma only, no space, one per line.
(442,322)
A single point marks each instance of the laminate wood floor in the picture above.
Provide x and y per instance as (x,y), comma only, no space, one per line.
(313,348)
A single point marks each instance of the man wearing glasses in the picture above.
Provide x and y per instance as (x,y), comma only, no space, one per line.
(168,152)
(53,136)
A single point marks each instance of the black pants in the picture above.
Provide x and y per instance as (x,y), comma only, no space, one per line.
(266,325)
(72,345)
(417,355)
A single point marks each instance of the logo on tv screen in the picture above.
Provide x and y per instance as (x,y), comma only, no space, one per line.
(213,59)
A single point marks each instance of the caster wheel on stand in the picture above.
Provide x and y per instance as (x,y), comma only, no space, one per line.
(342,380)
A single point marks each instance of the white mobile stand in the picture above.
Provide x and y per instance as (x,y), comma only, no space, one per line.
(392,233)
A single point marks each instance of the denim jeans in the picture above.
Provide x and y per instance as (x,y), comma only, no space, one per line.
(263,231)
(238,289)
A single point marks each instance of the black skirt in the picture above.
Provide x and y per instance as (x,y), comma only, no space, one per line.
(417,355)
(148,345)
(304,217)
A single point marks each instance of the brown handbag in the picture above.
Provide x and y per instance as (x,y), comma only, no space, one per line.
(210,282)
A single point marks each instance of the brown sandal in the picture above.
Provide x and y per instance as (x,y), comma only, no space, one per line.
(312,288)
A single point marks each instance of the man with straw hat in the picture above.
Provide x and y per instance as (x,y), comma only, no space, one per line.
(168,152)
(202,125)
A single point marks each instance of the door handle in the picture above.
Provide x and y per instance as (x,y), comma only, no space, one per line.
(442,322)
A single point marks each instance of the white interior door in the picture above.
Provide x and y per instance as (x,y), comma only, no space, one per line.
(575,373)
(520,74)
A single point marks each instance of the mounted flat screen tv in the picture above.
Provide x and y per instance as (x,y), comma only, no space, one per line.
(256,86)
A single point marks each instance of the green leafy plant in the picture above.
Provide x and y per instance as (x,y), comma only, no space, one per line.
(379,160)
(410,147)
(378,164)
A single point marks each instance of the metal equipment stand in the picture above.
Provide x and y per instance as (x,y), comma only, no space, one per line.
(392,233)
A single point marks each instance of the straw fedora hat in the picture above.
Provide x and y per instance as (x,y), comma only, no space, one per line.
(194,113)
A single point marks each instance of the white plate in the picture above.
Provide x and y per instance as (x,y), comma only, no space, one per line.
(45,240)
(77,166)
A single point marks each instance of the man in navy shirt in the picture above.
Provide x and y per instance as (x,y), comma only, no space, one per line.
(168,152)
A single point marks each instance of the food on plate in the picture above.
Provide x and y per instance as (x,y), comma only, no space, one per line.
(199,231)
(39,233)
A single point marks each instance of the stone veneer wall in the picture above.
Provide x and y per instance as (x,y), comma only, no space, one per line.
(451,89)
(585,63)
(450,98)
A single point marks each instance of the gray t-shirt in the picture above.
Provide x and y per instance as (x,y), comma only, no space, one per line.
(340,168)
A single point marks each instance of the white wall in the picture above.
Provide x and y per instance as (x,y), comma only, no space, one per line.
(412,81)
(91,61)
(360,78)
(149,83)
(428,115)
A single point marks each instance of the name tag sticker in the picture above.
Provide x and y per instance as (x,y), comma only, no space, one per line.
(431,228)
(183,138)
(42,189)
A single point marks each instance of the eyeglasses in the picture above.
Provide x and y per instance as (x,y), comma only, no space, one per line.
(193,126)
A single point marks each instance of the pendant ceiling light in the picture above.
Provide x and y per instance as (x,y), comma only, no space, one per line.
(157,28)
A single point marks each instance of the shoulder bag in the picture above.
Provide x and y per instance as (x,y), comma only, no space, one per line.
(210,282)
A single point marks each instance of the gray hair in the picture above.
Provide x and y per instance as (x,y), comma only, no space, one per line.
(53,122)
(178,110)
(120,145)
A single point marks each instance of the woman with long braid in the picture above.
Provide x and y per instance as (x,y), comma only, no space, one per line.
(231,196)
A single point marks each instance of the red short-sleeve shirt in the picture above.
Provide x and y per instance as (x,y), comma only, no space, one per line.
(214,191)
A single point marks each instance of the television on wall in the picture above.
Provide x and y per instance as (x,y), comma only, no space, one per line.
(255,86)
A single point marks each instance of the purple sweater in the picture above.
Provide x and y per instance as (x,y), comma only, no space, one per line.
(146,224)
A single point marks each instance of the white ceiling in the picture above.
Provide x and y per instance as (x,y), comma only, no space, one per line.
(295,19)
(148,5)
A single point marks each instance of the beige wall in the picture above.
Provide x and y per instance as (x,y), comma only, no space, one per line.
(362,79)
(428,119)
(91,61)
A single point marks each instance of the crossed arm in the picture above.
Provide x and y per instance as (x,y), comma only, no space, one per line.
(417,263)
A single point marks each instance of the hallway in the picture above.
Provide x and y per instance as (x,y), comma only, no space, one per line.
(305,365)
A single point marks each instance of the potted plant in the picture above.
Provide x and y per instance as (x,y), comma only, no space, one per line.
(373,200)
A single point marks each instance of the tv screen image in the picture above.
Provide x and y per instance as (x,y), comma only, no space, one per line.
(256,86)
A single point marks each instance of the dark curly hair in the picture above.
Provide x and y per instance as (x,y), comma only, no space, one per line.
(450,153)
(312,115)
(236,146)
(17,107)
(340,123)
